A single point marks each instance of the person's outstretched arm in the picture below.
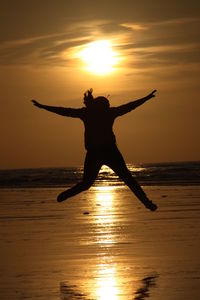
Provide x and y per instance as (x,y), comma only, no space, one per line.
(63,111)
(125,108)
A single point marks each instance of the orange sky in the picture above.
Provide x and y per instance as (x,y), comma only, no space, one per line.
(159,47)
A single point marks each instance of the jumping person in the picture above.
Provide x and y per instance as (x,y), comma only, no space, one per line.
(98,118)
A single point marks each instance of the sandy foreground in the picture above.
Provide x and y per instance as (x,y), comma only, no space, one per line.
(100,245)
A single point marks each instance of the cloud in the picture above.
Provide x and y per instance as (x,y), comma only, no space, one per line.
(49,48)
(148,25)
(135,26)
(37,50)
(163,43)
(142,45)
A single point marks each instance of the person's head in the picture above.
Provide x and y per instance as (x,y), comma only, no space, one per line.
(102,102)
(99,102)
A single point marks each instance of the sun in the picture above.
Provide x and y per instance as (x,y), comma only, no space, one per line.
(99,57)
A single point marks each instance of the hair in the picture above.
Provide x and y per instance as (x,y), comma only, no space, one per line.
(102,102)
(88,96)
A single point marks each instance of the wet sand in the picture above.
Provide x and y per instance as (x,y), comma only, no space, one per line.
(100,245)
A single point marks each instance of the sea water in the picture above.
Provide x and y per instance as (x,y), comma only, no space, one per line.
(102,244)
(180,173)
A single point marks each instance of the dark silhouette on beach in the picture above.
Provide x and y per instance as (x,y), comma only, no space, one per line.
(100,143)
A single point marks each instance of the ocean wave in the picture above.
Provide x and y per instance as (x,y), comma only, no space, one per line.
(187,173)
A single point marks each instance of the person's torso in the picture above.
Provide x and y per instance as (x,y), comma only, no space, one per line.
(98,128)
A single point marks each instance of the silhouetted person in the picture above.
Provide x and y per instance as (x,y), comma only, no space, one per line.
(98,118)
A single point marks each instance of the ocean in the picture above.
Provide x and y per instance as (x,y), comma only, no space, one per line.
(101,244)
(178,173)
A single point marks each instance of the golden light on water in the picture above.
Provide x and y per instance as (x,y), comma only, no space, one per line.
(105,218)
(105,195)
(107,287)
(99,57)
(105,268)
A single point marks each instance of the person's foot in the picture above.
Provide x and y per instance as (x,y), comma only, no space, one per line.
(150,205)
(62,196)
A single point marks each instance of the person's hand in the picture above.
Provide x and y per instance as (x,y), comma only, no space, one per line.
(152,94)
(37,103)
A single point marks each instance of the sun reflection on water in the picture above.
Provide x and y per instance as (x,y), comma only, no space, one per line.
(107,287)
(105,213)
(108,270)
(105,195)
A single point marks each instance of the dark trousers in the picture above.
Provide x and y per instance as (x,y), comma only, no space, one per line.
(113,159)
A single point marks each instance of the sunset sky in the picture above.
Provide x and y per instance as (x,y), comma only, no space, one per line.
(44,48)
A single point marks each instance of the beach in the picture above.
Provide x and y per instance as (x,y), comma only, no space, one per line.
(102,244)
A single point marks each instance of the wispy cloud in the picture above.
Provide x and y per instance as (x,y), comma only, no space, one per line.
(162,44)
(140,44)
(148,25)
(135,26)
(49,48)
